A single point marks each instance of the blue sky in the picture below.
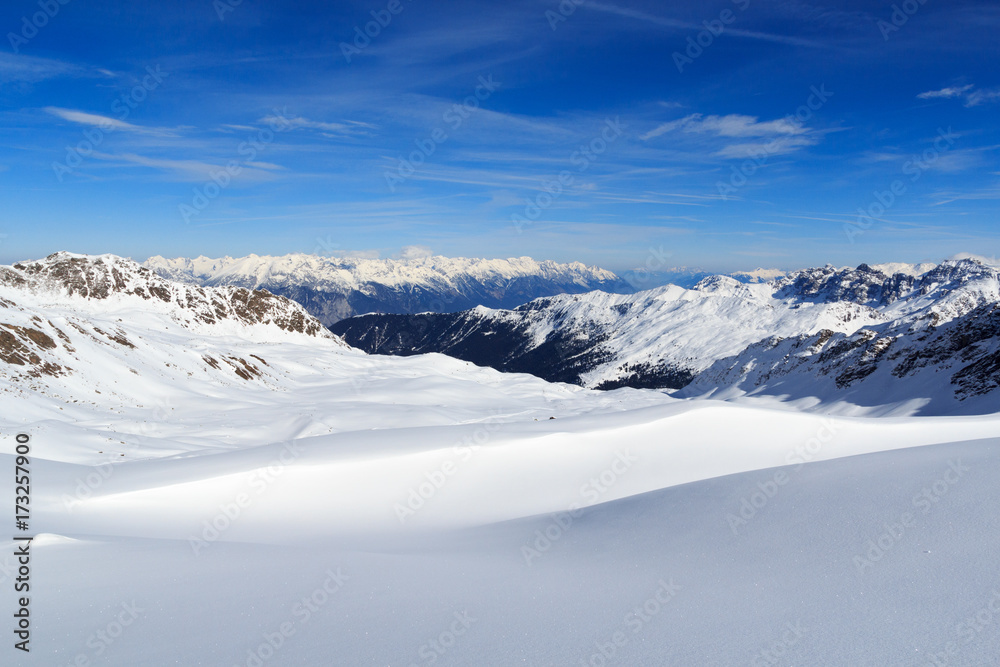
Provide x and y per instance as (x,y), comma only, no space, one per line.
(724,135)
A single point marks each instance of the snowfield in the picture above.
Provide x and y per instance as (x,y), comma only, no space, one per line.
(298,502)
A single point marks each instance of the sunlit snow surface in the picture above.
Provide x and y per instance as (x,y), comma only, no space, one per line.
(387,511)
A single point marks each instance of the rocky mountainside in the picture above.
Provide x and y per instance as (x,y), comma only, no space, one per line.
(333,288)
(927,335)
(93,319)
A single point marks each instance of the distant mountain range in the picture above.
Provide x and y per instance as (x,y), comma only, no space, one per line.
(333,289)
(923,335)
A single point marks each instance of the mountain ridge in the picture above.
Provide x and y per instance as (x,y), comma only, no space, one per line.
(708,339)
(87,319)
(333,288)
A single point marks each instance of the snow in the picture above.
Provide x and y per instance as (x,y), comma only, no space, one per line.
(988,261)
(346,509)
(689,328)
(730,327)
(915,270)
(760,275)
(475,548)
(352,273)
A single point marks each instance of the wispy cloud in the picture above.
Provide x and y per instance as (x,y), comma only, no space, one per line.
(647,18)
(945,93)
(190,170)
(771,137)
(30,69)
(732,125)
(977,97)
(973,96)
(108,124)
(776,146)
(93,119)
(345,127)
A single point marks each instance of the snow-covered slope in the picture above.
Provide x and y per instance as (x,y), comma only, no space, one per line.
(69,279)
(718,332)
(335,508)
(92,340)
(881,559)
(938,352)
(334,288)
(104,331)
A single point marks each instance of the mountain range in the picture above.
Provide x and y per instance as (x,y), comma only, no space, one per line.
(917,340)
(925,336)
(194,450)
(332,288)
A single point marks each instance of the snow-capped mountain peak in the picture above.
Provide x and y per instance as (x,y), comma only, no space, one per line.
(79,325)
(332,288)
(728,333)
(67,277)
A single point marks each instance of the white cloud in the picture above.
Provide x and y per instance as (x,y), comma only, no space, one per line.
(732,125)
(107,123)
(776,146)
(415,252)
(977,97)
(346,127)
(31,69)
(264,165)
(675,24)
(357,254)
(84,118)
(989,261)
(945,93)
(754,136)
(191,170)
(973,96)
